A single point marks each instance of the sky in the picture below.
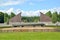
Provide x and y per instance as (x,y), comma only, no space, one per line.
(29,7)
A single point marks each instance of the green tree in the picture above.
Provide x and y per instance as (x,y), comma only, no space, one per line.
(54,17)
(59,17)
(30,19)
(12,15)
(49,14)
(6,17)
(1,17)
(36,18)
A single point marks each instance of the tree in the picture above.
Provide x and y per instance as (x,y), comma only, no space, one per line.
(6,17)
(36,18)
(59,17)
(1,17)
(54,17)
(12,14)
(49,14)
(30,19)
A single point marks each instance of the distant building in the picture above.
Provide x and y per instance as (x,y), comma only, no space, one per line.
(16,18)
(44,18)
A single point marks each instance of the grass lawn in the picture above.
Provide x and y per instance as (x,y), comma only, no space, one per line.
(30,36)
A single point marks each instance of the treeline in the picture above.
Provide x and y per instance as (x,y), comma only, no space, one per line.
(1,17)
(55,17)
(8,17)
(24,18)
(30,19)
(4,17)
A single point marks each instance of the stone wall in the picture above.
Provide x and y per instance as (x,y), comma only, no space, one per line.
(29,30)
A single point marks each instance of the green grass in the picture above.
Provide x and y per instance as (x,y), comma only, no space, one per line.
(30,36)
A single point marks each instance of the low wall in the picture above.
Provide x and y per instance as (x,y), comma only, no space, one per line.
(32,29)
(29,30)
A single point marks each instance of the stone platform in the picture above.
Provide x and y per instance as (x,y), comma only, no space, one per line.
(29,29)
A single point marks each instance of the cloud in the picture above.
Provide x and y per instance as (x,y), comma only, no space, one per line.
(31,3)
(9,10)
(28,13)
(52,10)
(31,13)
(11,2)
(37,12)
(39,0)
(55,9)
(36,0)
(16,2)
(2,11)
